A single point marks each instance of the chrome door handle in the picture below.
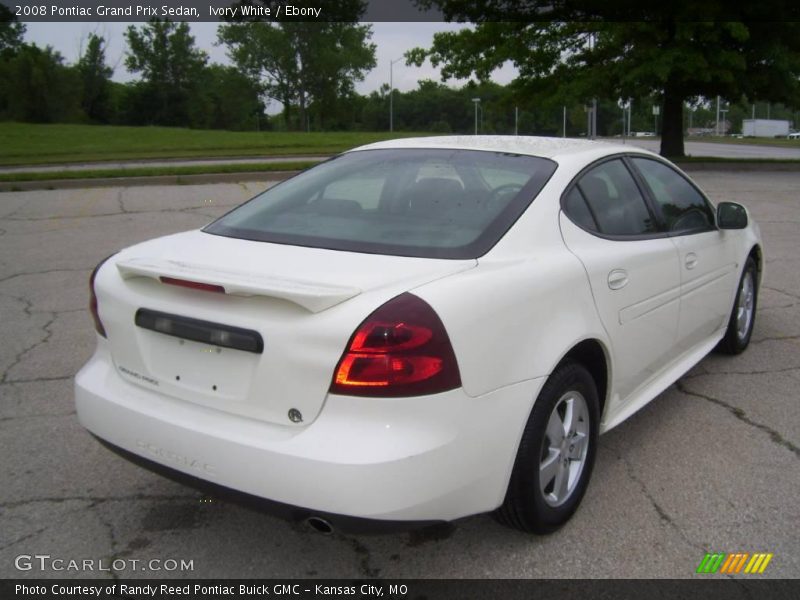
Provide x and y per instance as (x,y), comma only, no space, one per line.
(691,260)
(617,279)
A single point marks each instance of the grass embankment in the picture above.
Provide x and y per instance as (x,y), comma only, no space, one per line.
(36,144)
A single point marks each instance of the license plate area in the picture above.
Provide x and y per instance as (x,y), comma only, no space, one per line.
(197,371)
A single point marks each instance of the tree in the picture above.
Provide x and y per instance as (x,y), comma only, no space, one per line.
(11,35)
(11,32)
(44,89)
(230,100)
(300,63)
(95,76)
(171,65)
(679,53)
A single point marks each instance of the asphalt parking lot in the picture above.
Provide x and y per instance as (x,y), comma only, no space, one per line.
(712,465)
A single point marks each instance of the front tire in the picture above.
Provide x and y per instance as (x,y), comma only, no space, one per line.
(743,315)
(556,454)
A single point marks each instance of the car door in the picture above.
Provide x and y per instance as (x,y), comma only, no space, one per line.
(706,254)
(632,266)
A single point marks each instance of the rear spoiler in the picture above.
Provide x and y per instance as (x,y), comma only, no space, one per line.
(314,297)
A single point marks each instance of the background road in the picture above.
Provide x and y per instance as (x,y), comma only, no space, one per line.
(712,465)
(693,148)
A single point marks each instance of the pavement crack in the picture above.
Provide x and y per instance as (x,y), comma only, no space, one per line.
(120,201)
(46,272)
(365,557)
(659,510)
(113,542)
(39,416)
(776,437)
(775,338)
(33,534)
(95,500)
(28,310)
(36,380)
(754,372)
(780,291)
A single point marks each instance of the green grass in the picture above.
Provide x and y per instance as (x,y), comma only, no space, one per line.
(29,144)
(154,171)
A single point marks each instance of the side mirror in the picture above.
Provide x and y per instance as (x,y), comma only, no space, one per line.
(731,216)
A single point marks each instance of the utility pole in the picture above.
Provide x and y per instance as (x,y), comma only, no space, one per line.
(391,93)
(564,124)
(476,101)
(630,108)
(656,111)
(516,120)
(623,121)
(593,124)
(716,126)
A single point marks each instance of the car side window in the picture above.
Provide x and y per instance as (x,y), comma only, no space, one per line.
(576,208)
(613,200)
(684,209)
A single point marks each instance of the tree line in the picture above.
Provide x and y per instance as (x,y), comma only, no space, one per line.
(674,63)
(681,52)
(310,69)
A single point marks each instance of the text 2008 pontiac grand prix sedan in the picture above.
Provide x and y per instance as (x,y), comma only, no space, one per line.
(421,329)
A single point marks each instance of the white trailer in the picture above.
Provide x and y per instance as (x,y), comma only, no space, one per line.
(769,128)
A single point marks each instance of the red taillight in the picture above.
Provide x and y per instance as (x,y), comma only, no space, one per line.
(98,324)
(193,285)
(402,349)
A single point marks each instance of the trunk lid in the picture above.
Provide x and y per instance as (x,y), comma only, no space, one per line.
(303,303)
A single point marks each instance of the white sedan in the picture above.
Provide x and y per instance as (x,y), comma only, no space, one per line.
(419,330)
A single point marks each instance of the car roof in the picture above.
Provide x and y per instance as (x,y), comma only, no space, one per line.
(548,147)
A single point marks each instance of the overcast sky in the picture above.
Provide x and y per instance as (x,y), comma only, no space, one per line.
(392,40)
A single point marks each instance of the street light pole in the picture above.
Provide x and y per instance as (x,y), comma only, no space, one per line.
(476,101)
(391,93)
(630,108)
(593,115)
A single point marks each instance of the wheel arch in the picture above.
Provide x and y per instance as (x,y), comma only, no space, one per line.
(758,256)
(593,355)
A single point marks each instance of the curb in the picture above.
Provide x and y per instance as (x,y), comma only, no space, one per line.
(205,178)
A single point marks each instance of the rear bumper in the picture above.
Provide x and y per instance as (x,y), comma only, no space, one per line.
(431,458)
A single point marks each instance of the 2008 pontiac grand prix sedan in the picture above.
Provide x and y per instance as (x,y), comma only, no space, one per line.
(421,329)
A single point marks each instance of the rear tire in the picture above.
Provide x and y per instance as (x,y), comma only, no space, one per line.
(743,315)
(556,454)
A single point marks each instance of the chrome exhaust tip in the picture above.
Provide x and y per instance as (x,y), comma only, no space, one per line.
(320,525)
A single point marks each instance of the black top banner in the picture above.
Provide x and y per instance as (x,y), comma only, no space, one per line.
(389,10)
(219,10)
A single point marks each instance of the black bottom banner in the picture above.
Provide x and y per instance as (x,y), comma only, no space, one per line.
(404,589)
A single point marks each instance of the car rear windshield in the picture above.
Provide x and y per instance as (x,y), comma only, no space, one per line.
(435,203)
